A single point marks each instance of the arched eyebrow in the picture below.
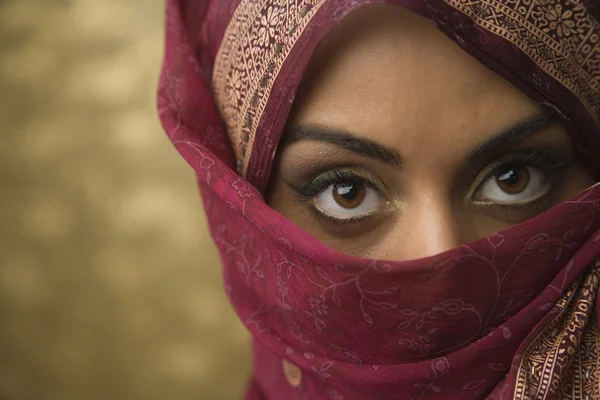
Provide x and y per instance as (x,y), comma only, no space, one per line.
(512,135)
(371,149)
(346,140)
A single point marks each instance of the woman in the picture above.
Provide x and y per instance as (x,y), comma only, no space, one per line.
(403,193)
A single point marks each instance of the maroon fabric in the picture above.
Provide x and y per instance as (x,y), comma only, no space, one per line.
(451,326)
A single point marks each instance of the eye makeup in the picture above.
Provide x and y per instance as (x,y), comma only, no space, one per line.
(547,164)
(338,175)
(307,193)
(549,161)
(546,159)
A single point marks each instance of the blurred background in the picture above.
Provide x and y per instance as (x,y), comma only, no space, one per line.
(109,285)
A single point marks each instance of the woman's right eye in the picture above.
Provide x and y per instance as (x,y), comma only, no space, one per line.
(349,200)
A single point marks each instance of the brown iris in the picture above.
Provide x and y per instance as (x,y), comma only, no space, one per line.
(513,180)
(349,194)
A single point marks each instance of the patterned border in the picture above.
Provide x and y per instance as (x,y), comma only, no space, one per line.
(257,41)
(567,350)
(560,36)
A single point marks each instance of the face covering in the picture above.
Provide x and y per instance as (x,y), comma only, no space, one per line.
(509,316)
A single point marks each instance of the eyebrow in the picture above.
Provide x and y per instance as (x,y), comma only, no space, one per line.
(513,134)
(345,140)
(368,148)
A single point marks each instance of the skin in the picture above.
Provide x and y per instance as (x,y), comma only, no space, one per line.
(385,77)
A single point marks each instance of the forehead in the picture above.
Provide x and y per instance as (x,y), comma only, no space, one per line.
(390,74)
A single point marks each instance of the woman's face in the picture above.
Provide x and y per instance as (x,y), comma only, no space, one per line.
(401,145)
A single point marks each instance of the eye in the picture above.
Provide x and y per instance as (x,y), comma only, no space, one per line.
(347,200)
(513,184)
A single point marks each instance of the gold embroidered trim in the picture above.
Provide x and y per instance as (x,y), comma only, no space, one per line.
(561,37)
(563,361)
(257,41)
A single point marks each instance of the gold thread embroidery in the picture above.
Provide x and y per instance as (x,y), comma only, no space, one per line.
(563,361)
(560,36)
(257,41)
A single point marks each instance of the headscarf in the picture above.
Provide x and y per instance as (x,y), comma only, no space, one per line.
(510,316)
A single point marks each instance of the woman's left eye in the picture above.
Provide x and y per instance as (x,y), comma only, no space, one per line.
(347,200)
(513,185)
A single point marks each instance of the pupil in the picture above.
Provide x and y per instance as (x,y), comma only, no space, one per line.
(348,191)
(511,177)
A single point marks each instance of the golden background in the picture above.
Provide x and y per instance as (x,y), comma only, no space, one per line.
(110,287)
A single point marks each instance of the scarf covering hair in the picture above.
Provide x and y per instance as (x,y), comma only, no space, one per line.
(510,316)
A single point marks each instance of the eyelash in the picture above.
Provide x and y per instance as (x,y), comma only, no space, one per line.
(305,194)
(324,180)
(545,159)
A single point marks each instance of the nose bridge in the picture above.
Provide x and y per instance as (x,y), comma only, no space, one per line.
(427,227)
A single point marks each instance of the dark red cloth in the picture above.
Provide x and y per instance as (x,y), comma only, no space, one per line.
(471,323)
